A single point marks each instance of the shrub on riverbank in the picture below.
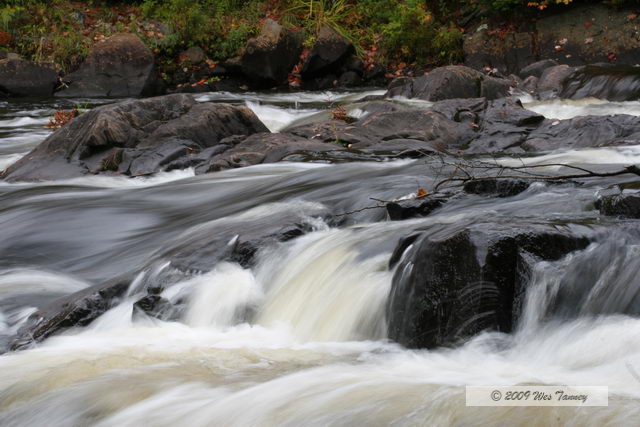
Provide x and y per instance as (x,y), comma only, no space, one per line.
(424,32)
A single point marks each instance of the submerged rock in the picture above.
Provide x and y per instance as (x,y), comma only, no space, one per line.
(452,284)
(78,309)
(497,187)
(22,78)
(153,306)
(135,137)
(406,209)
(623,204)
(121,66)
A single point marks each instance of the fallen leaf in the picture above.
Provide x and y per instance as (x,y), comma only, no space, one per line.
(421,192)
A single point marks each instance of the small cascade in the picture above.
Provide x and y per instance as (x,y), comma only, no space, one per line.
(324,290)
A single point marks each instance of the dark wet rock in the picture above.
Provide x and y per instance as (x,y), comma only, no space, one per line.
(78,309)
(121,66)
(261,148)
(537,68)
(503,187)
(154,306)
(612,82)
(268,58)
(375,75)
(625,204)
(328,81)
(134,138)
(584,132)
(400,86)
(507,54)
(21,78)
(328,54)
(467,110)
(355,64)
(450,82)
(452,284)
(349,79)
(433,129)
(233,66)
(504,125)
(530,84)
(406,209)
(192,88)
(553,78)
(371,107)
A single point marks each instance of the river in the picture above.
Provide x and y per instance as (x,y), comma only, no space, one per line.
(300,338)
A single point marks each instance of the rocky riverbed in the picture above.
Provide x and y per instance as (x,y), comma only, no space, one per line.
(271,258)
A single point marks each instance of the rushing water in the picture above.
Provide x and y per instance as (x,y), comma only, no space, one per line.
(298,340)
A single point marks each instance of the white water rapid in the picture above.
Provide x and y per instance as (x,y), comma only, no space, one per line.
(299,339)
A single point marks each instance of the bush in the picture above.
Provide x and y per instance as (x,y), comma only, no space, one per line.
(219,27)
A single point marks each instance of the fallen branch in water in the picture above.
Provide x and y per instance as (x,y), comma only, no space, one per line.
(464,172)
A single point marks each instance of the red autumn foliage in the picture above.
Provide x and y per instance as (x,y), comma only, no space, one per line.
(4,38)
(61,118)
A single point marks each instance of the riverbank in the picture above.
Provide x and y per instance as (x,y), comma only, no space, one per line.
(232,45)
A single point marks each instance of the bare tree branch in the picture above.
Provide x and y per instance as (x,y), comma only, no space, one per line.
(463,173)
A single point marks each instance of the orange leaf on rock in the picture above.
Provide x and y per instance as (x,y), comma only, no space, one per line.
(421,192)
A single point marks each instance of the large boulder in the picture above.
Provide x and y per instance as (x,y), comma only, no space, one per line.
(612,82)
(508,54)
(328,54)
(120,66)
(452,283)
(268,58)
(19,77)
(136,137)
(450,82)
